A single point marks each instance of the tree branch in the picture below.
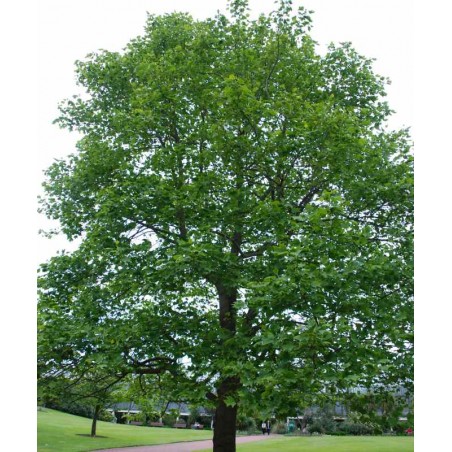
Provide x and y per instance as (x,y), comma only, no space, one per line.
(259,251)
(308,197)
(171,236)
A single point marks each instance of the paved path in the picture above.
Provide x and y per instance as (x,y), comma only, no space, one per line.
(187,446)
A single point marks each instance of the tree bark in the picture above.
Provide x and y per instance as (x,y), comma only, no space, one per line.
(227,298)
(225,418)
(94,423)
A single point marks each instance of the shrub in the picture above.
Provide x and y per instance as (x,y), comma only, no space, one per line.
(153,416)
(358,428)
(245,423)
(206,421)
(322,420)
(169,419)
(194,416)
(316,427)
(279,428)
(77,409)
(135,417)
(400,427)
(322,425)
(106,416)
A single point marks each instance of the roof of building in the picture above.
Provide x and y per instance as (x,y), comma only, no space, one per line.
(181,407)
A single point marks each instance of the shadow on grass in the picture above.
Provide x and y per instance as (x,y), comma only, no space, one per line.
(89,436)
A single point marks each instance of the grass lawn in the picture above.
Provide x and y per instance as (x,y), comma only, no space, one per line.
(331,444)
(62,432)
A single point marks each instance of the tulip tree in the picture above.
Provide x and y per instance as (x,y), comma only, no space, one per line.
(245,216)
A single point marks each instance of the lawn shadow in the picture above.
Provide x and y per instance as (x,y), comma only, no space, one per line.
(89,436)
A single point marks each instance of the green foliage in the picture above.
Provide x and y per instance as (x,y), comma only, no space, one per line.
(78,409)
(279,427)
(359,428)
(195,416)
(381,408)
(106,416)
(152,393)
(79,390)
(169,419)
(148,408)
(323,421)
(316,427)
(245,217)
(135,417)
(246,424)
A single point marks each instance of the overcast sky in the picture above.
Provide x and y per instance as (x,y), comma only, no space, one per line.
(69,30)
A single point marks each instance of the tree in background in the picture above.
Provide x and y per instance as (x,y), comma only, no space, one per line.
(380,407)
(245,216)
(86,392)
(153,394)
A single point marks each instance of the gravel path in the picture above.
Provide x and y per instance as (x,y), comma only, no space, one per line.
(187,446)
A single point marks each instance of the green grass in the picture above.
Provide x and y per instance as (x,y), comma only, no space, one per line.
(330,444)
(61,432)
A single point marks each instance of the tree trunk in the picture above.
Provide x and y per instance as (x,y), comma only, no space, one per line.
(94,423)
(225,418)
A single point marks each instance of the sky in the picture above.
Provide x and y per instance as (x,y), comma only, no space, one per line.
(42,40)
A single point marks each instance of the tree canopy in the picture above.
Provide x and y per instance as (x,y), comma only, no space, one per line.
(245,217)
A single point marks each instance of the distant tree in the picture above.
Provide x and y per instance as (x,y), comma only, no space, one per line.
(245,216)
(89,388)
(382,407)
(153,393)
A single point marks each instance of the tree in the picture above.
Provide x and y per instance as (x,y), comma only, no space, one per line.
(381,407)
(90,389)
(245,214)
(153,393)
